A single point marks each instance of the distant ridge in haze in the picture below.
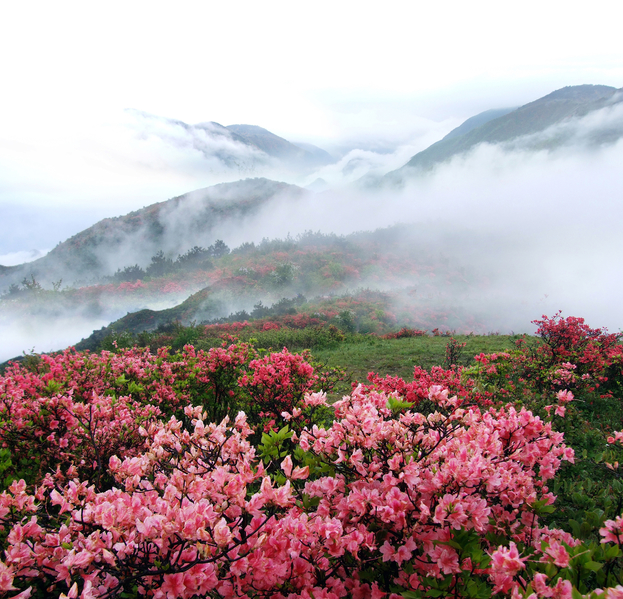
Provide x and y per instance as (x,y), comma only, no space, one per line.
(173,226)
(478,120)
(246,147)
(491,127)
(280,148)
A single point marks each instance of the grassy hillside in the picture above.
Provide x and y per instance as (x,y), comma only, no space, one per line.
(361,355)
(332,341)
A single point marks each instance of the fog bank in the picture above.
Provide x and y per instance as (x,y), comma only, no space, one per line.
(535,223)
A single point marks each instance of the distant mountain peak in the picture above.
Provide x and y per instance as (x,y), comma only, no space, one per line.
(581,93)
(243,148)
(278,147)
(495,127)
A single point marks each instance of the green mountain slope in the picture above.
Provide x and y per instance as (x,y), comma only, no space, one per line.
(426,286)
(173,226)
(535,117)
(477,121)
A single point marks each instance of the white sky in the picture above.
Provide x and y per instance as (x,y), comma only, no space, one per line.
(329,73)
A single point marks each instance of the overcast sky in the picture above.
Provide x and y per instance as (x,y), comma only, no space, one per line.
(337,74)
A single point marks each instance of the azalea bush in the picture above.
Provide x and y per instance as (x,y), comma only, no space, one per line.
(568,354)
(369,504)
(225,473)
(572,375)
(73,411)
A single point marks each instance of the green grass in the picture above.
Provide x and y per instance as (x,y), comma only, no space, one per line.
(360,354)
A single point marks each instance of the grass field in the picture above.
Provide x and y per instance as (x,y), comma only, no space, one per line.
(361,354)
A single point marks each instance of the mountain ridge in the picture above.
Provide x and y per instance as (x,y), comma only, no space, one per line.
(531,118)
(278,147)
(477,120)
(173,225)
(245,147)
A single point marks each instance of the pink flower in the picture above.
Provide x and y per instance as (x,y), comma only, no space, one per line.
(376,593)
(387,551)
(222,533)
(73,592)
(618,436)
(448,560)
(612,531)
(564,396)
(558,553)
(173,585)
(300,473)
(505,564)
(316,399)
(404,552)
(563,589)
(6,578)
(286,466)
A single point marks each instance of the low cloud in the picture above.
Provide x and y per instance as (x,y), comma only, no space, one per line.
(358,166)
(539,226)
(535,223)
(206,148)
(23,257)
(598,128)
(60,179)
(32,334)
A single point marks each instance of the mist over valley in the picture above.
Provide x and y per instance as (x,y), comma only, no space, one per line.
(509,216)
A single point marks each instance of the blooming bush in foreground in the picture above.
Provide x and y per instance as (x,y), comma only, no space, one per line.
(75,410)
(432,488)
(384,498)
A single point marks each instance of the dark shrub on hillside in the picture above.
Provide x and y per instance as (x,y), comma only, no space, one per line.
(160,265)
(129,274)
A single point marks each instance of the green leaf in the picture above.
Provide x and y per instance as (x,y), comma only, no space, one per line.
(453,544)
(134,388)
(53,387)
(397,405)
(550,570)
